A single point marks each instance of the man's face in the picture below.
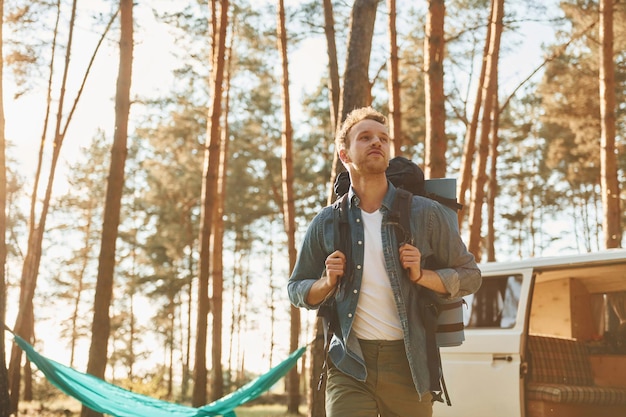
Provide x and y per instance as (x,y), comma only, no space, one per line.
(368,149)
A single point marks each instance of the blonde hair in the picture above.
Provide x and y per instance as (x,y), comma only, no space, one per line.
(354,117)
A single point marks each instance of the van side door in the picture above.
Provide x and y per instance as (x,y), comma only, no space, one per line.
(484,376)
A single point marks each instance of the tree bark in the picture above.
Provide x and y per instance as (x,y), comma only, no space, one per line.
(356,84)
(492,185)
(434,44)
(611,222)
(293,377)
(217,247)
(28,282)
(489,90)
(334,89)
(469,146)
(5,403)
(106,263)
(393,82)
(209,191)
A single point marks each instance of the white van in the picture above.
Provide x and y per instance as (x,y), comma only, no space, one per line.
(543,337)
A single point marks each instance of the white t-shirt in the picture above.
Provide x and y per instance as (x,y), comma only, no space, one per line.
(376,315)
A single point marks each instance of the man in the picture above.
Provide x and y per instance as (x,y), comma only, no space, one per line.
(380,365)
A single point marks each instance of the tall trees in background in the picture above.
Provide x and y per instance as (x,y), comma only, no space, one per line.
(100,329)
(209,192)
(489,110)
(30,271)
(334,84)
(608,159)
(356,89)
(217,240)
(434,44)
(469,142)
(288,206)
(4,382)
(572,119)
(393,81)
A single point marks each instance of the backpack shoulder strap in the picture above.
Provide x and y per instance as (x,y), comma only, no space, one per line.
(401,215)
(341,228)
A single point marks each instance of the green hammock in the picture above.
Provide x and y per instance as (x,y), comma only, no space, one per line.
(106,398)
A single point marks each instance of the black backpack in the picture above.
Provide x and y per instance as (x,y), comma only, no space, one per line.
(445,327)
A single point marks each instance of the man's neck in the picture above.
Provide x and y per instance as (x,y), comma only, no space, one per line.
(371,191)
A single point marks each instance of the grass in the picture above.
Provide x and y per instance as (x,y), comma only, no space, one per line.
(68,407)
(276,410)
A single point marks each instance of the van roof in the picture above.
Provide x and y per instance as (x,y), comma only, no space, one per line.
(602,271)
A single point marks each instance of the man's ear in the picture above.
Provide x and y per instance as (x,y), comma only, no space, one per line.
(343,156)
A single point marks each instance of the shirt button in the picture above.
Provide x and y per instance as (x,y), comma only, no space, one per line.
(358,267)
(349,314)
(360,242)
(355,291)
(358,220)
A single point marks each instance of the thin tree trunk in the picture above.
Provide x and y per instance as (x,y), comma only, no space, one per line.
(217,376)
(5,403)
(469,146)
(30,268)
(79,291)
(187,339)
(334,89)
(32,259)
(393,82)
(492,185)
(489,90)
(106,263)
(172,344)
(209,191)
(611,222)
(434,43)
(288,209)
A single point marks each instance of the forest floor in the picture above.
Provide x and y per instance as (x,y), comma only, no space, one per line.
(71,408)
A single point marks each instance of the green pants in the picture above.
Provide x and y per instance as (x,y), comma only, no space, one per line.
(388,391)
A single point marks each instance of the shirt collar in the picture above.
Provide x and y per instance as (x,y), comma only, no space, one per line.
(353,199)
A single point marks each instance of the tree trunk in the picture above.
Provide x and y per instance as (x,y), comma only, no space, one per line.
(434,43)
(30,269)
(334,87)
(106,263)
(393,82)
(217,247)
(5,403)
(469,146)
(611,222)
(356,84)
(489,90)
(492,185)
(209,191)
(293,377)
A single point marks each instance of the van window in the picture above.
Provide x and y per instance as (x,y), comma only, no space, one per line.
(609,313)
(495,304)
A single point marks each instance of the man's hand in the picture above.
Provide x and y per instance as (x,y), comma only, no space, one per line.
(335,268)
(325,286)
(411,258)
